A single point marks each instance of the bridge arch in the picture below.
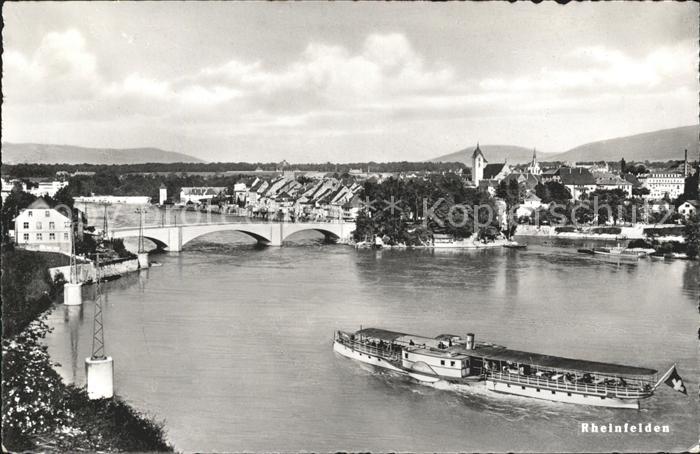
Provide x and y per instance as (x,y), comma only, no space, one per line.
(257,232)
(327,233)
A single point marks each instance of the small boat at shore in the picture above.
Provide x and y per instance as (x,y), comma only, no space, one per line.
(618,251)
(586,251)
(515,246)
(462,362)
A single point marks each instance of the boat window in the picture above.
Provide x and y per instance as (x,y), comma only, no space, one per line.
(452,363)
(442,362)
(405,355)
(538,389)
(523,387)
(508,385)
(554,392)
(568,394)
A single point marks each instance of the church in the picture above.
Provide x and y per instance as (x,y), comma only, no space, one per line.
(489,176)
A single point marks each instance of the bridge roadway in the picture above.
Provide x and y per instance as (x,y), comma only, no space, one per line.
(173,237)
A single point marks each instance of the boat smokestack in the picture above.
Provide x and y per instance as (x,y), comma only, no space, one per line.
(470,341)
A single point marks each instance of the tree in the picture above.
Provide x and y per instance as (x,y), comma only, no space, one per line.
(553,191)
(623,165)
(691,234)
(15,202)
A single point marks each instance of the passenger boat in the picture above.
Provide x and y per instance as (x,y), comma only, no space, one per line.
(462,362)
(618,251)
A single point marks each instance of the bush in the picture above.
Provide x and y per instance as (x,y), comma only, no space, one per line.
(640,244)
(27,289)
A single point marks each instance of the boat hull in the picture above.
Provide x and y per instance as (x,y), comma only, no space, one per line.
(519,389)
(561,396)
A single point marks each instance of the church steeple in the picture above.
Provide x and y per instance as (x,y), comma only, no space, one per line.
(478,164)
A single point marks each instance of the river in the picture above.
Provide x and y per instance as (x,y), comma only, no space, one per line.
(230,344)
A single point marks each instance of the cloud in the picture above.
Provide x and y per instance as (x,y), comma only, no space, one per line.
(329,90)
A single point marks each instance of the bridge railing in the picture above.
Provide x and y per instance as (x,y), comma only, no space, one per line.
(230,222)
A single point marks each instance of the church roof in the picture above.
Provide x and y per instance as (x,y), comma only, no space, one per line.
(491,170)
(477,152)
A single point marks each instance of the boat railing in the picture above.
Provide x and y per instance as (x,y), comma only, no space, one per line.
(587,388)
(387,350)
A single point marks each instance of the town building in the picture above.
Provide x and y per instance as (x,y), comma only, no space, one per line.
(689,208)
(662,184)
(40,227)
(199,195)
(611,181)
(578,181)
(48,188)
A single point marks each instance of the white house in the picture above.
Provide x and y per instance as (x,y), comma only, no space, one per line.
(530,204)
(609,181)
(660,184)
(40,227)
(689,208)
(49,188)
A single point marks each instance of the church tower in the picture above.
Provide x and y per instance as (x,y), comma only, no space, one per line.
(478,164)
(534,167)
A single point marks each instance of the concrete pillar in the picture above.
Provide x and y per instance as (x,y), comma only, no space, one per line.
(100,377)
(143,260)
(72,294)
(175,239)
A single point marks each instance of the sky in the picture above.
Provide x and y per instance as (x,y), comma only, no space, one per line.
(345,82)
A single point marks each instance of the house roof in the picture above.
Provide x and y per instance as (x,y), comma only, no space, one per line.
(39,204)
(491,170)
(610,178)
(576,176)
(695,203)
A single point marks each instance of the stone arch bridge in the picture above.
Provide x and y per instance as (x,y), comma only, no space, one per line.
(174,237)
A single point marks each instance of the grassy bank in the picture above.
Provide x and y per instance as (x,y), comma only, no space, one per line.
(39,411)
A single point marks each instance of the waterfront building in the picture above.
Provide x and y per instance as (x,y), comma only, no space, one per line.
(478,164)
(662,184)
(530,204)
(114,199)
(200,194)
(40,227)
(578,181)
(611,181)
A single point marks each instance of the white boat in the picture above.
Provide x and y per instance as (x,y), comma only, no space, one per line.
(460,361)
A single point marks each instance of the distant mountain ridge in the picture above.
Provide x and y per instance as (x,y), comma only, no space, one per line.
(35,153)
(494,153)
(661,145)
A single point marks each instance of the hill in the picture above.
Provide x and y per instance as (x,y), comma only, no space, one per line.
(662,145)
(494,153)
(34,153)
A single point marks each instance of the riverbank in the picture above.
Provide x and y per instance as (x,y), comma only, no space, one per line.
(39,411)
